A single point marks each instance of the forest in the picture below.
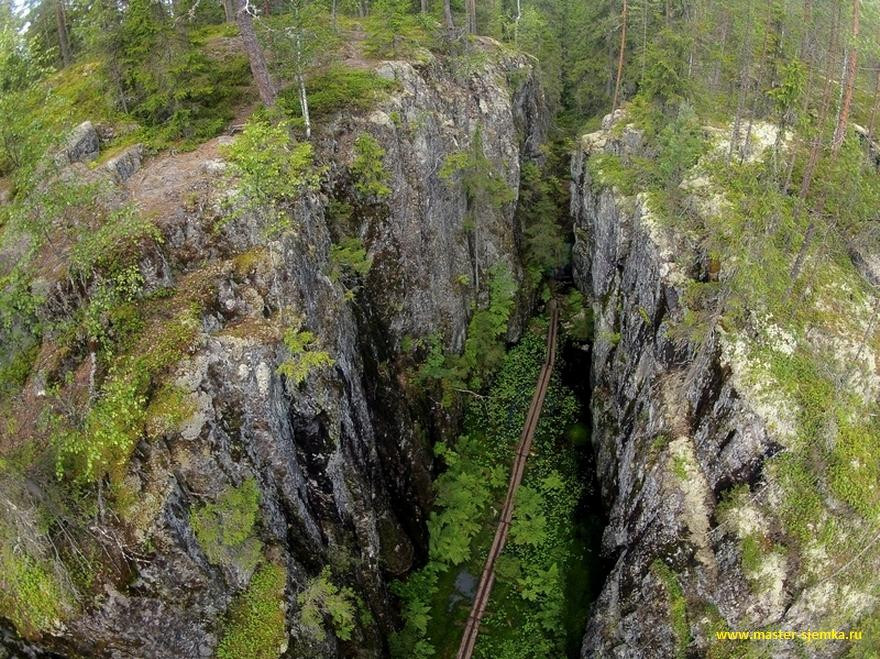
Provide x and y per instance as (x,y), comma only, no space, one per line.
(365,209)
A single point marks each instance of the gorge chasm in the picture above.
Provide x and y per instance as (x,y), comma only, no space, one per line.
(328,477)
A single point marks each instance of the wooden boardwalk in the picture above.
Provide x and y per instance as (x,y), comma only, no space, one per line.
(484,590)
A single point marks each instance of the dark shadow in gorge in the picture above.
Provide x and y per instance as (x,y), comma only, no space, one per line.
(587,574)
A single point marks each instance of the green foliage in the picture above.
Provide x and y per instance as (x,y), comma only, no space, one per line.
(608,169)
(115,242)
(225,528)
(271,171)
(255,623)
(483,186)
(15,369)
(338,88)
(349,259)
(368,168)
(855,465)
(462,496)
(109,432)
(30,596)
(538,208)
(298,41)
(790,88)
(484,345)
(394,32)
(304,358)
(322,599)
(537,37)
(529,523)
(167,409)
(165,82)
(666,74)
(101,442)
(678,618)
(578,316)
(752,553)
(680,144)
(532,574)
(105,315)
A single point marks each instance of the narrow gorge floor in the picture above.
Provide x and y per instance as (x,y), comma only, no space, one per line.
(550,570)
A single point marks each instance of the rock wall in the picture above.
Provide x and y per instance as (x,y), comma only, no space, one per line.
(674,429)
(342,461)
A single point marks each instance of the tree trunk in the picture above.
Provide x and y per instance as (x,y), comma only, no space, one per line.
(63,36)
(809,170)
(471,16)
(753,110)
(301,83)
(874,103)
(229,10)
(304,104)
(623,17)
(849,83)
(746,56)
(644,40)
(259,68)
(423,6)
(516,21)
(447,15)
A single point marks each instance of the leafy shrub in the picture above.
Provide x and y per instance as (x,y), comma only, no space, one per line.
(529,523)
(112,295)
(303,357)
(268,165)
(322,598)
(225,528)
(271,171)
(16,367)
(368,167)
(255,622)
(114,243)
(484,347)
(349,257)
(108,434)
(462,496)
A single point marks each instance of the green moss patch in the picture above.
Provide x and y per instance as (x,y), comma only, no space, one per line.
(255,622)
(225,528)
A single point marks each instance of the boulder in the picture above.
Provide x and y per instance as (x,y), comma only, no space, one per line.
(124,165)
(83,143)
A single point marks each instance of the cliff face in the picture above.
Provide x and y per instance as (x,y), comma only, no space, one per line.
(678,424)
(342,461)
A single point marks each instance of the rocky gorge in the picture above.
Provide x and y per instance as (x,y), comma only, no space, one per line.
(341,464)
(260,490)
(690,432)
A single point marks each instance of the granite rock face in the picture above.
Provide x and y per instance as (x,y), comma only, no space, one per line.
(675,429)
(342,461)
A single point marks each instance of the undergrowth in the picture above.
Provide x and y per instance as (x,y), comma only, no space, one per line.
(527,611)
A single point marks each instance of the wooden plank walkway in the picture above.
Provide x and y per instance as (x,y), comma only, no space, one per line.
(484,590)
